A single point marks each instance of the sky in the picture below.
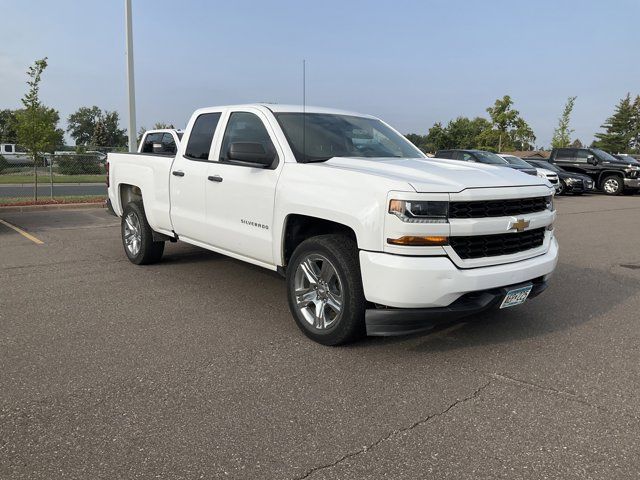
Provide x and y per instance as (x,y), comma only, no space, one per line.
(409,62)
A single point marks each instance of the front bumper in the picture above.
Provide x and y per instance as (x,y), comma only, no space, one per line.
(403,284)
(632,182)
(406,321)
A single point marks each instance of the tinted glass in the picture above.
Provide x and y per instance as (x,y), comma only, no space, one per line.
(201,136)
(444,154)
(8,148)
(328,135)
(466,156)
(245,127)
(602,155)
(543,164)
(490,158)
(565,154)
(581,156)
(168,144)
(513,160)
(149,140)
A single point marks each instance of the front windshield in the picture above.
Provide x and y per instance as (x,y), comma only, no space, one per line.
(602,155)
(491,158)
(328,135)
(516,161)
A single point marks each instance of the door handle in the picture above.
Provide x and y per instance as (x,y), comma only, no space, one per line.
(178,173)
(215,178)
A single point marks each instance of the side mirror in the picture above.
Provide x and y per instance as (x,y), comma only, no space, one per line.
(250,153)
(592,160)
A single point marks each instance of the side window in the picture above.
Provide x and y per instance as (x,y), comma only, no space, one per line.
(149,140)
(168,144)
(467,157)
(8,148)
(581,156)
(201,136)
(245,127)
(566,155)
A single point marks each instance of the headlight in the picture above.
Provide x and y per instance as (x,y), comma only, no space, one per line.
(420,212)
(542,175)
(549,203)
(571,181)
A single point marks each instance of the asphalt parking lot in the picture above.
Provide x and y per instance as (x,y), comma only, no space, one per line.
(193,368)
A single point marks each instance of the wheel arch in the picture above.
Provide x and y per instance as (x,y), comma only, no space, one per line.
(299,227)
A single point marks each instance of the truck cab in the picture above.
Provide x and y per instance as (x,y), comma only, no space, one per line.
(610,174)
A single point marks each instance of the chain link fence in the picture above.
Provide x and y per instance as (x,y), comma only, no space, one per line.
(61,177)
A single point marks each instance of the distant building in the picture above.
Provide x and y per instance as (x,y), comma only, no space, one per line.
(529,154)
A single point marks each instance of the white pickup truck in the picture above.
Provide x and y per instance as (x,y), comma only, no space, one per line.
(372,236)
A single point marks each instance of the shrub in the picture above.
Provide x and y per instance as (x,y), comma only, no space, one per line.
(78,165)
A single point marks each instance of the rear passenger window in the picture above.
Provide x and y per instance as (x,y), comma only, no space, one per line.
(566,154)
(168,144)
(149,140)
(8,148)
(201,136)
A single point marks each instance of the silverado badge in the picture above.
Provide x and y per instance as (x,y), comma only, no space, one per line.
(519,225)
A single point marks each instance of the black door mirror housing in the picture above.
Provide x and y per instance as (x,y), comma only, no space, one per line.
(251,154)
(592,160)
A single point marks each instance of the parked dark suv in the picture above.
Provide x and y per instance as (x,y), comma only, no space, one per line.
(482,156)
(611,175)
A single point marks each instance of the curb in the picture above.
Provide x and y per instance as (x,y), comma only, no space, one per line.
(57,206)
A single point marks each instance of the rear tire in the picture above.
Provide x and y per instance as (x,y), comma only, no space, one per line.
(324,289)
(137,236)
(612,185)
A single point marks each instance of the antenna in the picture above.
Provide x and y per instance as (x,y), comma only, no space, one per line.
(304,109)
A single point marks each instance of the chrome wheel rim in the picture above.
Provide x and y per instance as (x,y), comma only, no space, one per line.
(611,185)
(132,234)
(318,292)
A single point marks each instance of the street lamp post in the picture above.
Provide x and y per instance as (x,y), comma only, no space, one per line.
(130,78)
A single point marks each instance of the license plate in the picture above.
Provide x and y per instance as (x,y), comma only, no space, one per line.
(516,296)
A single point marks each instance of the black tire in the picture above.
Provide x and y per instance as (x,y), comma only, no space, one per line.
(615,181)
(149,251)
(342,253)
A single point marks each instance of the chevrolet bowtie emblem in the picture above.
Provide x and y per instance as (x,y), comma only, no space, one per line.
(519,225)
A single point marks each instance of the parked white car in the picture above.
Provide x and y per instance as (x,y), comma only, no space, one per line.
(550,176)
(371,235)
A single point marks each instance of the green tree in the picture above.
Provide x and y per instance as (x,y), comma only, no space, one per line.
(436,138)
(562,133)
(82,123)
(8,132)
(635,134)
(464,132)
(619,129)
(100,137)
(37,125)
(508,129)
(417,140)
(115,136)
(161,125)
(503,118)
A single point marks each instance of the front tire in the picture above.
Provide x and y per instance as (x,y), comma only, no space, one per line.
(324,289)
(612,185)
(137,236)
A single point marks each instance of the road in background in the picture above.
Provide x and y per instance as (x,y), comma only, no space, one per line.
(59,189)
(194,368)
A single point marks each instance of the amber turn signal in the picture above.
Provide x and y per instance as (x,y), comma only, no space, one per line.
(416,241)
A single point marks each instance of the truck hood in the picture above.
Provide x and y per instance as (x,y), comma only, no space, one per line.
(432,175)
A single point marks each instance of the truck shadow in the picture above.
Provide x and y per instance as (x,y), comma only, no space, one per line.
(575,296)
